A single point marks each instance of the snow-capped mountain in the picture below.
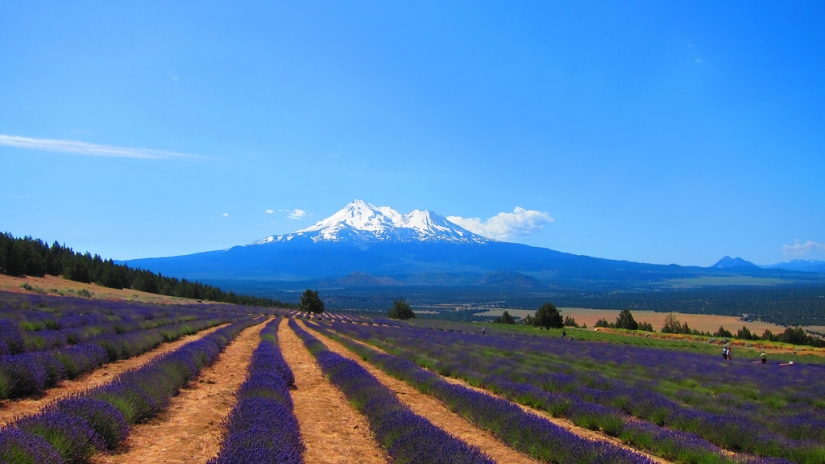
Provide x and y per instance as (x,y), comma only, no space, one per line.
(361,221)
(364,245)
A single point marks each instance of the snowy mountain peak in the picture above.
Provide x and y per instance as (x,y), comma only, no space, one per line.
(363,222)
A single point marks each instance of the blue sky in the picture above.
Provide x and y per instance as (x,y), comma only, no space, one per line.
(664,132)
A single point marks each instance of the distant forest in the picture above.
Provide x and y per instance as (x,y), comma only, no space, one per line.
(32,257)
(787,305)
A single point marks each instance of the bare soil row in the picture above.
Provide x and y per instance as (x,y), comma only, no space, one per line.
(13,409)
(190,430)
(429,407)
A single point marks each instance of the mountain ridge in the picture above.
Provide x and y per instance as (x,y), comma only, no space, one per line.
(362,221)
(363,245)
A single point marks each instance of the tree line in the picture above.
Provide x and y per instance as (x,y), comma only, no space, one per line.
(548,316)
(27,256)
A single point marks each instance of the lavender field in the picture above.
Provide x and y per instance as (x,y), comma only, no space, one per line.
(545,398)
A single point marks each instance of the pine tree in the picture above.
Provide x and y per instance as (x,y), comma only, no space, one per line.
(626,321)
(549,316)
(311,302)
(400,310)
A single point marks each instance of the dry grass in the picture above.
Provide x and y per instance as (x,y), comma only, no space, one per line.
(701,322)
(58,286)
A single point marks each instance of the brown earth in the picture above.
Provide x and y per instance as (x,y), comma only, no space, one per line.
(189,430)
(433,410)
(701,322)
(58,286)
(332,430)
(12,409)
(564,423)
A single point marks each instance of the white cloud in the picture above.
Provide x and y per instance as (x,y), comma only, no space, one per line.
(270,211)
(295,213)
(91,149)
(798,250)
(225,214)
(503,226)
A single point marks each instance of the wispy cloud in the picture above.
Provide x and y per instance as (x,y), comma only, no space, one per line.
(798,250)
(270,211)
(90,149)
(503,226)
(225,214)
(294,214)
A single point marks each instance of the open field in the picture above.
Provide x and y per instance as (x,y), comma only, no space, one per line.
(701,322)
(725,281)
(267,384)
(58,286)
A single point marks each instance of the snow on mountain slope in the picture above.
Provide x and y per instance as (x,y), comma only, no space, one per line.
(361,221)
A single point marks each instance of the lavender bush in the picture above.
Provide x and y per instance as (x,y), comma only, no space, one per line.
(407,437)
(523,431)
(76,427)
(577,379)
(262,427)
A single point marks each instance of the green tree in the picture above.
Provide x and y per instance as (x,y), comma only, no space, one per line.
(549,316)
(311,302)
(505,318)
(570,322)
(745,334)
(646,326)
(626,321)
(400,310)
(602,323)
(672,325)
(794,335)
(722,332)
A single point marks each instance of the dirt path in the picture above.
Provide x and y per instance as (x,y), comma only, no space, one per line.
(429,407)
(333,431)
(566,424)
(189,430)
(9,410)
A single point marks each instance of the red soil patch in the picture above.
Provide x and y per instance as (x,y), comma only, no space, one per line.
(333,431)
(11,409)
(189,430)
(432,409)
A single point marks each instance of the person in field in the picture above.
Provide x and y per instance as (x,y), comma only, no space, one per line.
(729,355)
(763,357)
(724,352)
(564,334)
(483,330)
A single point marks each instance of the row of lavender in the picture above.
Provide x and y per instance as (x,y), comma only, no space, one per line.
(262,427)
(407,437)
(73,429)
(37,322)
(82,342)
(32,373)
(563,378)
(523,431)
